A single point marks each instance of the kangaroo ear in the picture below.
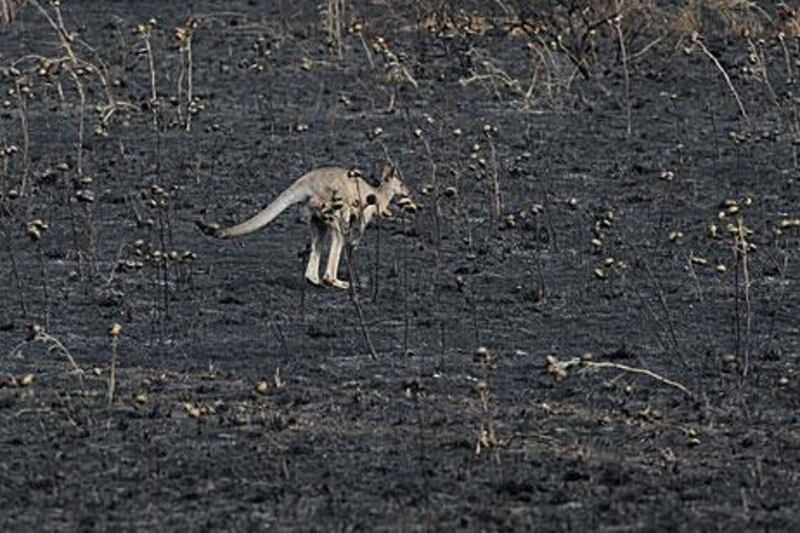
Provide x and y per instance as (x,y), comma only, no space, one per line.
(388,172)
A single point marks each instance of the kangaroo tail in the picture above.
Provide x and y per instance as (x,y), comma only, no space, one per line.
(292,195)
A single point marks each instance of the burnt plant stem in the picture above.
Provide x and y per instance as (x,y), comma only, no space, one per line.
(151,67)
(742,279)
(376,274)
(164,262)
(662,300)
(112,374)
(624,53)
(24,126)
(406,317)
(81,116)
(727,78)
(497,205)
(348,248)
(43,273)
(154,105)
(189,82)
(15,274)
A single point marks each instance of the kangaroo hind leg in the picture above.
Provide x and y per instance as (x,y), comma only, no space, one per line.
(317,235)
(334,256)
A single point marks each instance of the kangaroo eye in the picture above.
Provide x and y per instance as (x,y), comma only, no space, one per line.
(372,199)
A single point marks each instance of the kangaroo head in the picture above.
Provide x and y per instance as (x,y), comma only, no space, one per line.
(391,182)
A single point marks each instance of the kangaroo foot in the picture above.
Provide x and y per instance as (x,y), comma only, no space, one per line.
(339,284)
(314,280)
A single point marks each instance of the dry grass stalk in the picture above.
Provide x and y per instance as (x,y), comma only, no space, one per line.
(699,42)
(333,20)
(557,369)
(36,333)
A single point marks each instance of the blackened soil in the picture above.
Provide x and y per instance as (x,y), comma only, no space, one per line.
(247,400)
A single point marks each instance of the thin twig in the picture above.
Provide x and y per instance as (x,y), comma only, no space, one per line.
(719,66)
(637,370)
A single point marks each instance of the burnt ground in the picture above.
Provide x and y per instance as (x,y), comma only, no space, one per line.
(246,399)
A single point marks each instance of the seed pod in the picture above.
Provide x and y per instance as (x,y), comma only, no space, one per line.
(482,355)
(34,330)
(85,196)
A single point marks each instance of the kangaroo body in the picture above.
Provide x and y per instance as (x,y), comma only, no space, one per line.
(340,205)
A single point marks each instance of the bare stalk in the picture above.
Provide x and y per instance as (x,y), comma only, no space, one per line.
(43,272)
(557,370)
(37,333)
(617,23)
(333,20)
(637,370)
(741,248)
(713,58)
(113,332)
(183,34)
(15,273)
(81,119)
(787,58)
(351,267)
(24,123)
(487,439)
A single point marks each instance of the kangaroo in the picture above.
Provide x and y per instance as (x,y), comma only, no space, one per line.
(339,202)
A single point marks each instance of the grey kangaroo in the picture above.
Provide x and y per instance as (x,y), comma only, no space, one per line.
(339,202)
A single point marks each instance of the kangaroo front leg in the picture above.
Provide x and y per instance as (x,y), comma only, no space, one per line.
(332,269)
(312,270)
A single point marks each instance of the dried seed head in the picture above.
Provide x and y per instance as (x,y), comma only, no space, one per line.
(482,355)
(555,369)
(34,331)
(114,329)
(34,233)
(85,196)
(788,223)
